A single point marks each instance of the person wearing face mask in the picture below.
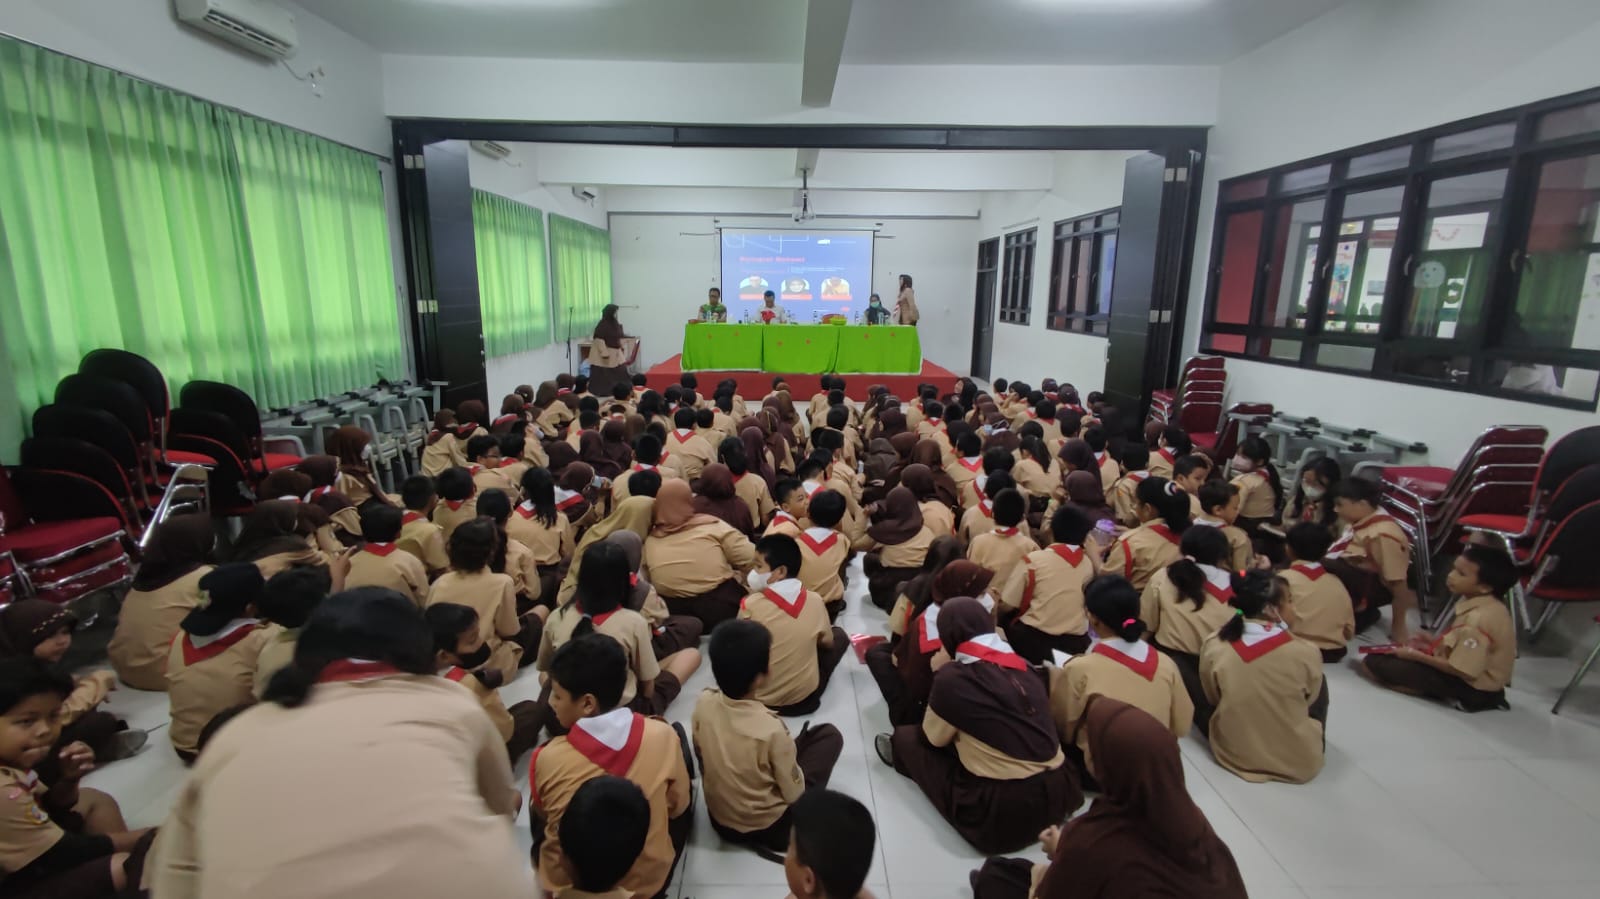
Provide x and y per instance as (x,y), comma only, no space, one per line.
(805,649)
(877,313)
(1313,500)
(460,652)
(1260,488)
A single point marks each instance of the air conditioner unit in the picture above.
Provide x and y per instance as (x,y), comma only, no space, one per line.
(255,25)
(586,194)
(490,148)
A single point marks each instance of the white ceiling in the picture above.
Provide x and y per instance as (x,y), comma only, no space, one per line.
(895,32)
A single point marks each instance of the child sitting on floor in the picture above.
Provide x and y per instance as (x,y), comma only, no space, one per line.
(1124,493)
(753,770)
(793,506)
(604,831)
(419,536)
(1219,508)
(1373,557)
(1004,548)
(1046,591)
(805,649)
(461,652)
(458,502)
(830,850)
(1317,608)
(381,562)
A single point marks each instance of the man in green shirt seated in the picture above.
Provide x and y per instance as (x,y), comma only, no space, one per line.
(713,310)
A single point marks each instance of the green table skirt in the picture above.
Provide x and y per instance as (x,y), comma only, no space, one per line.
(804,349)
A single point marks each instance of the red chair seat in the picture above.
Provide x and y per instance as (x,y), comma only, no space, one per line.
(52,538)
(276,461)
(1566,594)
(77,564)
(184,457)
(1505,524)
(1204,438)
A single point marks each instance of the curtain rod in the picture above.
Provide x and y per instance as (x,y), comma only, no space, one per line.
(183,93)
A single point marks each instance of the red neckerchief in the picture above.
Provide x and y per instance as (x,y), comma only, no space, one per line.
(354,669)
(1166,532)
(1072,555)
(474,468)
(780,515)
(1251,652)
(603,617)
(526,510)
(793,609)
(818,547)
(411,518)
(379,549)
(682,435)
(193,654)
(1223,595)
(456,673)
(466,430)
(1310,572)
(927,643)
(1145,669)
(985,507)
(633,579)
(1165,454)
(507,463)
(569,502)
(1005,532)
(503,419)
(988,654)
(615,762)
(1138,476)
(974,466)
(639,466)
(455,504)
(563,391)
(319,492)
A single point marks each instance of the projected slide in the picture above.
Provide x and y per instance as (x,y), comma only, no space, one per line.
(813,273)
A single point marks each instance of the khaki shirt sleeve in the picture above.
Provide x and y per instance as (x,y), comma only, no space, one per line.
(505,616)
(1150,605)
(417,579)
(495,782)
(1391,558)
(1015,585)
(174,865)
(938,731)
(738,549)
(1182,710)
(679,794)
(547,647)
(26,831)
(785,766)
(1467,651)
(897,616)
(87,692)
(433,551)
(1208,676)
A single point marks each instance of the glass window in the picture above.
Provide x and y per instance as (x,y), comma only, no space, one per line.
(1226,343)
(1110,220)
(1558,292)
(1449,277)
(1570,122)
(1380,161)
(1108,267)
(1435,366)
(1236,275)
(1546,380)
(1084,259)
(1251,189)
(1294,264)
(1480,140)
(1286,350)
(1308,177)
(1354,358)
(1360,272)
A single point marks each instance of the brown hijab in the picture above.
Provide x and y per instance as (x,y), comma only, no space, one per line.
(903,443)
(591,450)
(1004,707)
(927,452)
(347,444)
(891,421)
(633,425)
(880,460)
(1076,453)
(1144,836)
(322,470)
(577,477)
(918,478)
(755,451)
(898,519)
(547,394)
(26,623)
(178,546)
(561,455)
(715,497)
(944,551)
(1085,492)
(961,578)
(614,443)
(272,527)
(674,509)
(609,329)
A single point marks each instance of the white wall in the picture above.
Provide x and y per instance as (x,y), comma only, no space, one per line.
(1084,183)
(518,177)
(649,251)
(1404,66)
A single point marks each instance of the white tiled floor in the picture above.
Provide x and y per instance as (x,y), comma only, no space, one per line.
(1416,800)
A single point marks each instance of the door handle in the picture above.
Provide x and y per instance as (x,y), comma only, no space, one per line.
(1410,260)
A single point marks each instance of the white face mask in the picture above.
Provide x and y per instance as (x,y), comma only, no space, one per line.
(1313,493)
(758,580)
(1243,465)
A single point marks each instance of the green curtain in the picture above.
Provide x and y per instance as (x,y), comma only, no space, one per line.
(513,286)
(219,246)
(580,269)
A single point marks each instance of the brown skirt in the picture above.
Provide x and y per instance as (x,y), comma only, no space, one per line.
(1036,645)
(711,608)
(1416,678)
(677,633)
(883,584)
(995,816)
(905,686)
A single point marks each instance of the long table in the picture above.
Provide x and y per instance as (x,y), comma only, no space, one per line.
(802,349)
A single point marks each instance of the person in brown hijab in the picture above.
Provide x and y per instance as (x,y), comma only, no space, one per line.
(903,667)
(986,753)
(891,421)
(322,469)
(1086,492)
(779,446)
(575,492)
(714,495)
(756,458)
(900,543)
(1143,837)
(877,464)
(561,454)
(1001,434)
(608,364)
(903,443)
(696,561)
(668,633)
(633,427)
(592,450)
(273,531)
(352,447)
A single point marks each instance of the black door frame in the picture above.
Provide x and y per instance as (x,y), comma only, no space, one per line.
(983,311)
(412,135)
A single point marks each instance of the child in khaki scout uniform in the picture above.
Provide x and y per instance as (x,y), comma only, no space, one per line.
(539,524)
(830,850)
(287,601)
(381,563)
(1373,557)
(1109,470)
(967,465)
(1124,493)
(791,515)
(56,840)
(687,452)
(514,559)
(491,595)
(1163,511)
(1265,701)
(1003,549)
(419,536)
(1187,602)
(212,665)
(483,463)
(461,652)
(1046,592)
(753,770)
(1219,508)
(458,502)
(1190,472)
(587,677)
(1317,608)
(824,551)
(646,458)
(604,582)
(978,519)
(805,649)
(1469,664)
(604,830)
(1260,488)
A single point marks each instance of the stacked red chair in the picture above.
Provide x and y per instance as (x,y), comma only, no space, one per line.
(63,532)
(222,421)
(1561,572)
(1568,470)
(12,586)
(1196,403)
(1222,442)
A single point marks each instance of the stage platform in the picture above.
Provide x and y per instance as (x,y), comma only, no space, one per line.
(757,384)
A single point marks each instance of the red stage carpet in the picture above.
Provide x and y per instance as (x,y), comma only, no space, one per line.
(757,384)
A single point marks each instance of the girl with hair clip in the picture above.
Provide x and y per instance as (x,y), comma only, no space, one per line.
(668,633)
(1163,512)
(279,821)
(1265,707)
(1260,488)
(539,524)
(604,582)
(1118,665)
(1187,602)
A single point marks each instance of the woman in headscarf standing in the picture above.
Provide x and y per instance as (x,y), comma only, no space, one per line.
(697,562)
(898,541)
(1143,837)
(986,753)
(165,589)
(608,361)
(715,496)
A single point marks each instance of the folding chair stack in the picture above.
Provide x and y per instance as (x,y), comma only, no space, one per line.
(61,536)
(1196,403)
(1560,571)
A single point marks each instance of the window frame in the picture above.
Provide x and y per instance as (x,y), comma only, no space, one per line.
(1065,272)
(1017,257)
(1523,159)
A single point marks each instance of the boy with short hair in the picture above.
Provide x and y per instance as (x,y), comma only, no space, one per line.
(1190,473)
(1097,438)
(588,420)
(1316,607)
(687,451)
(587,677)
(380,562)
(793,506)
(1047,591)
(980,518)
(1124,498)
(56,840)
(458,501)
(604,831)
(460,653)
(1469,665)
(968,462)
(805,648)
(1373,557)
(752,769)
(516,458)
(1219,506)
(483,463)
(1003,548)
(830,850)
(646,457)
(995,459)
(825,550)
(419,536)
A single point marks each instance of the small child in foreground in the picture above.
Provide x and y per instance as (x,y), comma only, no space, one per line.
(604,832)
(830,850)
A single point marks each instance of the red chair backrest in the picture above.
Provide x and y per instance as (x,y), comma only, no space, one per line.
(16,514)
(1577,491)
(1568,455)
(1572,543)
